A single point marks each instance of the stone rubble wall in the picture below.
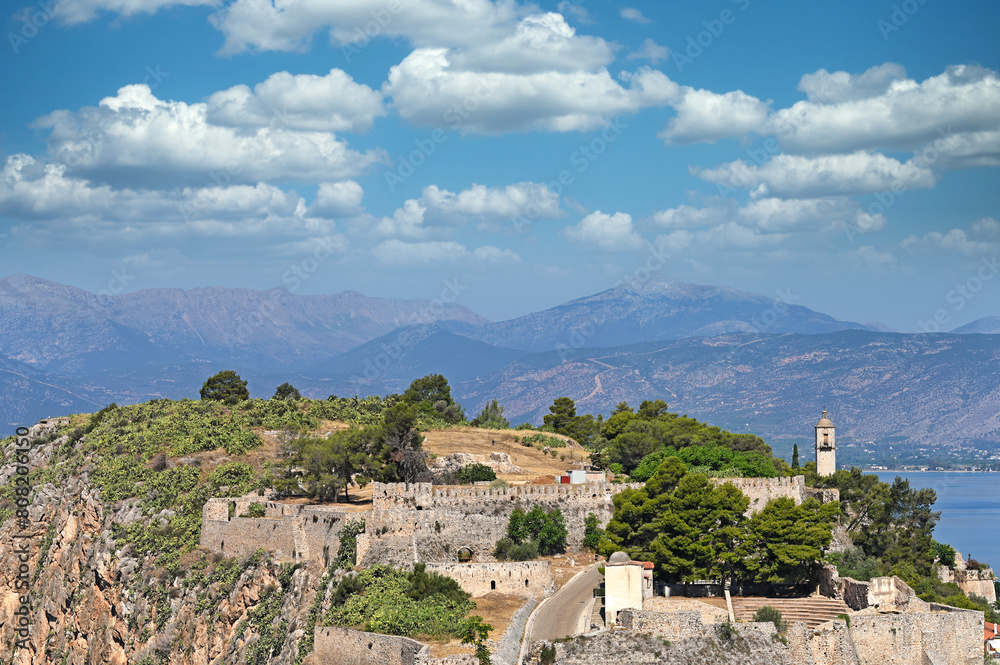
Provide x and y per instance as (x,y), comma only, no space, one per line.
(510,643)
(680,625)
(354,647)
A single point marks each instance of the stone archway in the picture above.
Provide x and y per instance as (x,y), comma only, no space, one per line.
(465,554)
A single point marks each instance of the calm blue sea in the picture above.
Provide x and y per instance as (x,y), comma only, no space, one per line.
(970,510)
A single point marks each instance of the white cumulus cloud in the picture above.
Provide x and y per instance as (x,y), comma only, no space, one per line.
(608,233)
(135,139)
(797,176)
(704,116)
(331,103)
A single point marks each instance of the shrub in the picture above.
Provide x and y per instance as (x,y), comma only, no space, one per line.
(548,655)
(845,618)
(255,509)
(473,473)
(768,614)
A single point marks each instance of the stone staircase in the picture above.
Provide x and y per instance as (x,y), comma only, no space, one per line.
(812,610)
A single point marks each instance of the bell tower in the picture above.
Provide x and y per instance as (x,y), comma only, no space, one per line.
(826,446)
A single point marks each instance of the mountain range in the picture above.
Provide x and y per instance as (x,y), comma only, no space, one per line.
(740,360)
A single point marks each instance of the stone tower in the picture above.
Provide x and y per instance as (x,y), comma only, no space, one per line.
(826,447)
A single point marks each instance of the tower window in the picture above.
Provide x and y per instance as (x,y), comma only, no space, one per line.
(826,438)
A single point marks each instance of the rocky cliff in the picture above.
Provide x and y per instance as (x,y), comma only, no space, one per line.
(92,602)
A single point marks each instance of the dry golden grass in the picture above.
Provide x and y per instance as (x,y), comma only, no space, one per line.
(477,441)
(496,610)
(565,566)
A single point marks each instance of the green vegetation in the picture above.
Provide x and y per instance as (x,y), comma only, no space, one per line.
(592,532)
(532,533)
(691,528)
(768,614)
(562,419)
(541,441)
(226,387)
(491,417)
(713,461)
(475,473)
(382,599)
(431,395)
(347,553)
(255,509)
(287,391)
(640,441)
(475,631)
(892,528)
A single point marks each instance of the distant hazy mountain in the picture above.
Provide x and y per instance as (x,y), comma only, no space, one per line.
(390,363)
(659,309)
(69,330)
(932,390)
(739,360)
(988,325)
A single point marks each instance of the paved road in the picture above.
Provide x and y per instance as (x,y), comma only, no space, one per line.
(560,615)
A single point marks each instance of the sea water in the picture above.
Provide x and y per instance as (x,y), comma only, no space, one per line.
(970,510)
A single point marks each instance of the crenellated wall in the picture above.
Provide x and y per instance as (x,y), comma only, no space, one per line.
(413,522)
(421,522)
(762,490)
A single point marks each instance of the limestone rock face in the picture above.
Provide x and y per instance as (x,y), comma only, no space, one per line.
(93,602)
(499,462)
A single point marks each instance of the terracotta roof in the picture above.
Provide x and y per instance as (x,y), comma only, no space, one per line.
(647,565)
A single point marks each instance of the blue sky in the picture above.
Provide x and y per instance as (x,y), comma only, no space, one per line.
(844,153)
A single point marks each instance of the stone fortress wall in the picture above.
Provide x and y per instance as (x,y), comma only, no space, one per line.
(354,647)
(762,490)
(413,522)
(516,578)
(294,533)
(421,522)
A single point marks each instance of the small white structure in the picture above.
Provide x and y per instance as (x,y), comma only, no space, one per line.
(577,476)
(826,447)
(626,584)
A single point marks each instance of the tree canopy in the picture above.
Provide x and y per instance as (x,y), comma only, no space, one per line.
(287,391)
(431,396)
(693,528)
(226,387)
(491,417)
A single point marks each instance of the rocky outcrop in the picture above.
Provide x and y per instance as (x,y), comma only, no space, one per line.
(90,602)
(499,462)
